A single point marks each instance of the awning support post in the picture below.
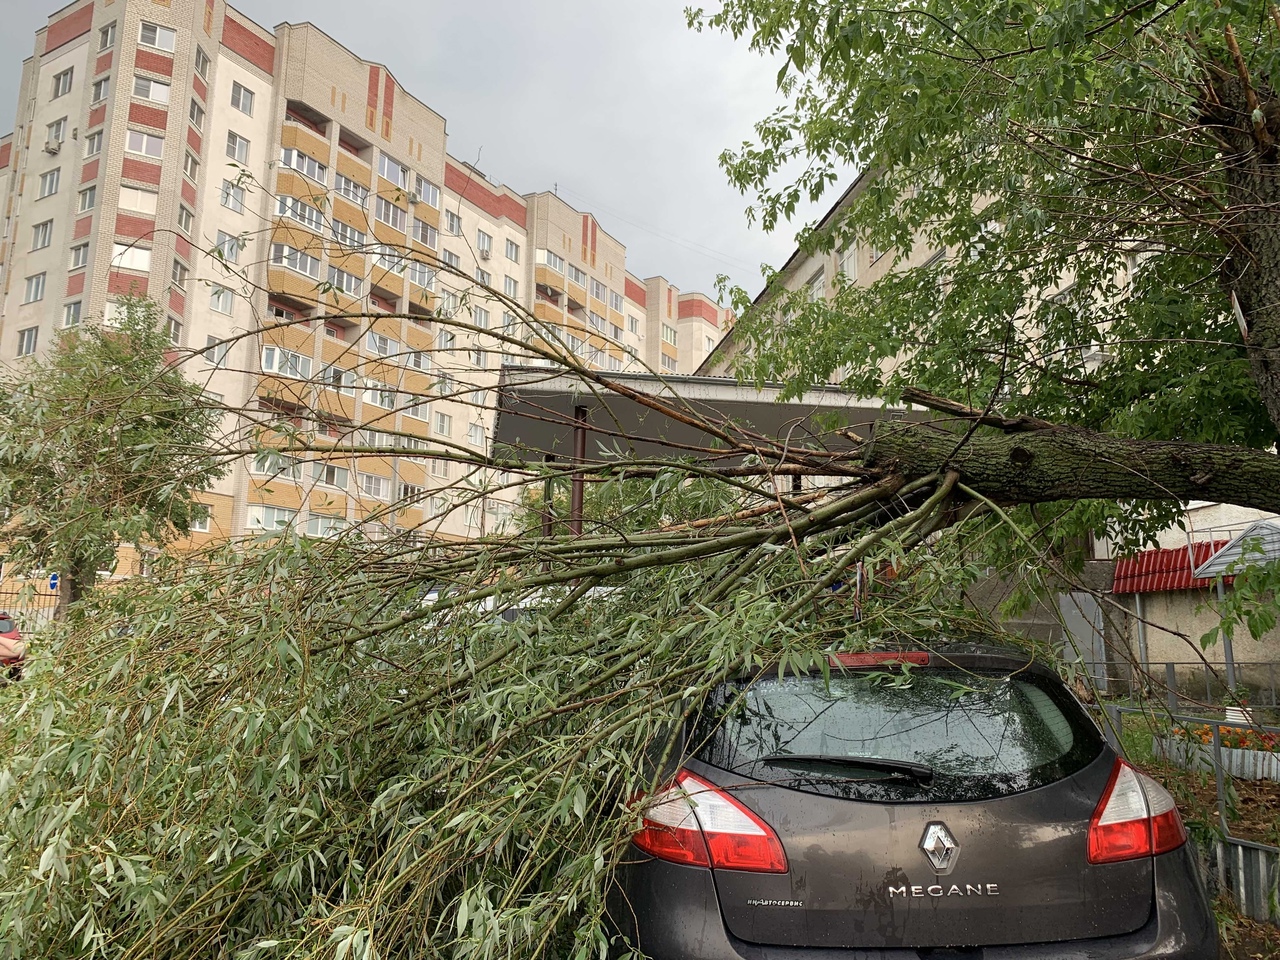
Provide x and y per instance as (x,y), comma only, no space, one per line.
(548,503)
(579,457)
(1228,653)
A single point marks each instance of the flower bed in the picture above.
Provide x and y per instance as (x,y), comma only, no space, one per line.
(1246,754)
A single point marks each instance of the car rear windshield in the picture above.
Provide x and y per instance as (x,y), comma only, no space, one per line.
(7,625)
(930,735)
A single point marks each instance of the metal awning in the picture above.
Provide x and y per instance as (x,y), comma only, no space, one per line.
(1258,543)
(539,408)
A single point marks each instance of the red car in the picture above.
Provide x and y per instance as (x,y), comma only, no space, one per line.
(12,650)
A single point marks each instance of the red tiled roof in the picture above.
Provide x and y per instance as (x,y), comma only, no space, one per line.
(1158,571)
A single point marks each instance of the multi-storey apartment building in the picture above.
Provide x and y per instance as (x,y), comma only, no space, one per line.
(296,215)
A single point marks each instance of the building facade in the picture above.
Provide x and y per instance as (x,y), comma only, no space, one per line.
(324,266)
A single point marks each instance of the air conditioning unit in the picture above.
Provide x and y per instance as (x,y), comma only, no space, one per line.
(486,254)
(52,146)
(413,199)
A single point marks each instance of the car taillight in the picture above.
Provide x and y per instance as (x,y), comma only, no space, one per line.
(1136,817)
(696,823)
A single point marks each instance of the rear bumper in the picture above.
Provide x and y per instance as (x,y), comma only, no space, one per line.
(670,912)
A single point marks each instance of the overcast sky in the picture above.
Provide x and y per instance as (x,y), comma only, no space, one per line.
(614,102)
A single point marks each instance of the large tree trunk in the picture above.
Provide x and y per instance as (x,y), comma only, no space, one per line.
(74,583)
(1066,464)
(1243,116)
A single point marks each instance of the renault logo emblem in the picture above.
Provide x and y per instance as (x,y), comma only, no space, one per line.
(940,847)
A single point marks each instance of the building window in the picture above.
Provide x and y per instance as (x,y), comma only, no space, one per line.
(191,167)
(615,301)
(195,113)
(134,198)
(147,144)
(215,351)
(847,263)
(553,260)
(379,395)
(484,244)
(483,277)
(179,274)
(633,325)
(348,283)
(380,344)
(199,524)
(371,485)
(427,191)
(88,199)
(49,183)
(410,492)
(242,99)
(283,255)
(480,316)
(513,251)
(71,314)
(79,256)
(173,330)
(154,35)
(144,88)
(321,525)
(389,213)
(62,83)
(388,169)
(222,300)
(42,235)
(295,209)
(56,132)
(237,147)
(186,220)
(817,286)
(416,407)
(451,258)
(355,192)
(233,196)
(125,256)
(444,425)
(27,340)
(286,363)
(421,274)
(440,468)
(511,287)
(34,289)
(669,334)
(107,37)
(101,87)
(335,378)
(425,234)
(668,363)
(262,517)
(576,275)
(475,435)
(202,63)
(452,223)
(93,144)
(348,235)
(599,290)
(305,165)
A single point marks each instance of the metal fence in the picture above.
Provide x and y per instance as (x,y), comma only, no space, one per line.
(31,606)
(1247,871)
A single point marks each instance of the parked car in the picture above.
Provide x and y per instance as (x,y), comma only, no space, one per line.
(12,650)
(959,803)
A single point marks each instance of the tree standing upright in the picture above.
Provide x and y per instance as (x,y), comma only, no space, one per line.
(102,443)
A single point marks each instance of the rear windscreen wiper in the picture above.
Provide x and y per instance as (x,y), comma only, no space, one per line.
(917,771)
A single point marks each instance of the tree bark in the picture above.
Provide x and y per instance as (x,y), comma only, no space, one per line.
(1068,464)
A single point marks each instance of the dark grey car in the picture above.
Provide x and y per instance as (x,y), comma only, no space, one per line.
(962,805)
